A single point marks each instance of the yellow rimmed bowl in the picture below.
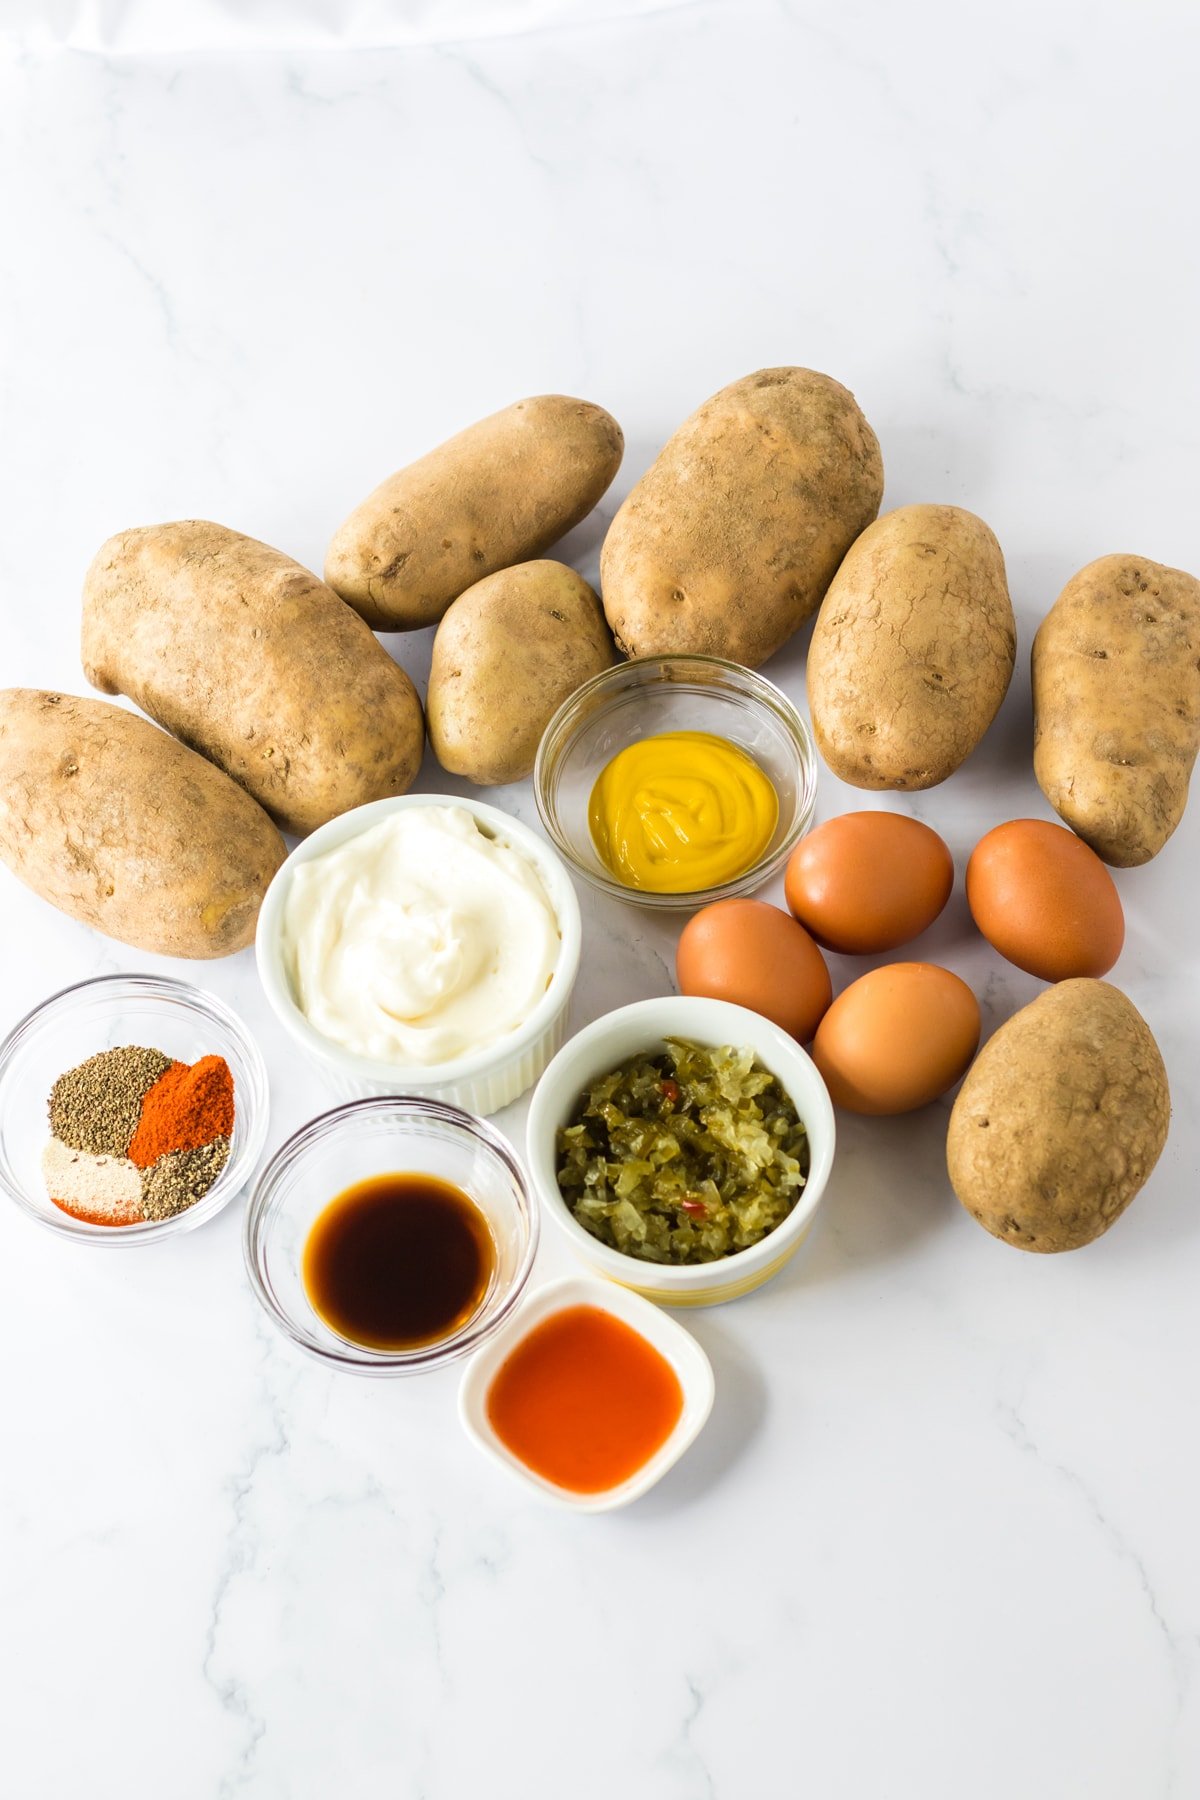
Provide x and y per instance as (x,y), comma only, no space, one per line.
(641,1029)
(652,694)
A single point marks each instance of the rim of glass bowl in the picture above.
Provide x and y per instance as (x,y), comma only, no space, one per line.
(237,1172)
(749,686)
(360,1359)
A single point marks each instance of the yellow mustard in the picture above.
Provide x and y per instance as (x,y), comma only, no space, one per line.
(680,811)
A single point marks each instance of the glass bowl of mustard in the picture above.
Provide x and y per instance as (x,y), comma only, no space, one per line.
(673,781)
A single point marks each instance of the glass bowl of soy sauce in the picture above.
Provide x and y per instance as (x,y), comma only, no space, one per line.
(391,1235)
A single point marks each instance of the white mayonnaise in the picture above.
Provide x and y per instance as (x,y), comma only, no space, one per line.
(420,940)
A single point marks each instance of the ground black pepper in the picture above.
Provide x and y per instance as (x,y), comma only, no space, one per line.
(178,1180)
(96,1106)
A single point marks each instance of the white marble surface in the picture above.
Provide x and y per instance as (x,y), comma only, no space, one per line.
(940,1539)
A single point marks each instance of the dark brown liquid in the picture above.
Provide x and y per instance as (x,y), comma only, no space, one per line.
(398,1262)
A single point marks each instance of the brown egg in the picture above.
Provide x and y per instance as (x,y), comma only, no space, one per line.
(757,956)
(1044,900)
(897,1038)
(868,881)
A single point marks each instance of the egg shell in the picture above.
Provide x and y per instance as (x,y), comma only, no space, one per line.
(757,956)
(1045,901)
(868,881)
(897,1038)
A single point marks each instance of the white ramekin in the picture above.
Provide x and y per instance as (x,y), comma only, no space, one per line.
(482,1082)
(692,1369)
(645,1026)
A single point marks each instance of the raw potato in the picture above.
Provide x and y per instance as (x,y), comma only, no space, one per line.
(1061,1118)
(112,821)
(498,493)
(251,660)
(507,654)
(728,542)
(1116,704)
(913,649)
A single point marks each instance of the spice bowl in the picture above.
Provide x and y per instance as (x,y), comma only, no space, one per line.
(643,1028)
(677,1347)
(371,1138)
(637,699)
(172,1016)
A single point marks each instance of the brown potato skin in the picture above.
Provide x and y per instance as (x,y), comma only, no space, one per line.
(1116,704)
(730,539)
(125,829)
(913,649)
(507,654)
(1061,1118)
(251,660)
(500,492)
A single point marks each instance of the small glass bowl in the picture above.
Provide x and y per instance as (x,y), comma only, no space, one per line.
(111,1010)
(383,1136)
(634,699)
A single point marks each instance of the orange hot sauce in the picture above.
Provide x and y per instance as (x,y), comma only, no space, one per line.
(584,1400)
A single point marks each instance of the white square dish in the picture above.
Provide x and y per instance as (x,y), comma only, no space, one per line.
(677,1346)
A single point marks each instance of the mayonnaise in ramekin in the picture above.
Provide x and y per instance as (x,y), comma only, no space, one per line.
(419,941)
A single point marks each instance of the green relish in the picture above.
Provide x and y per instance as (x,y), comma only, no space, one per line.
(685,1156)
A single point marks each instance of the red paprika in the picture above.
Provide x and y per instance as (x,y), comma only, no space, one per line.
(188,1106)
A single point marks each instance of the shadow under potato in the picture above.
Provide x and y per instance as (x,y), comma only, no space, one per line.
(580,549)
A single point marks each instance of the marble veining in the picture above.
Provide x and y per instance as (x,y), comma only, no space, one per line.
(938,1539)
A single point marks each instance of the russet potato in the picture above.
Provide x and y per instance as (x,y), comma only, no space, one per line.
(913,649)
(250,659)
(730,539)
(507,654)
(127,830)
(500,492)
(1116,704)
(1061,1118)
